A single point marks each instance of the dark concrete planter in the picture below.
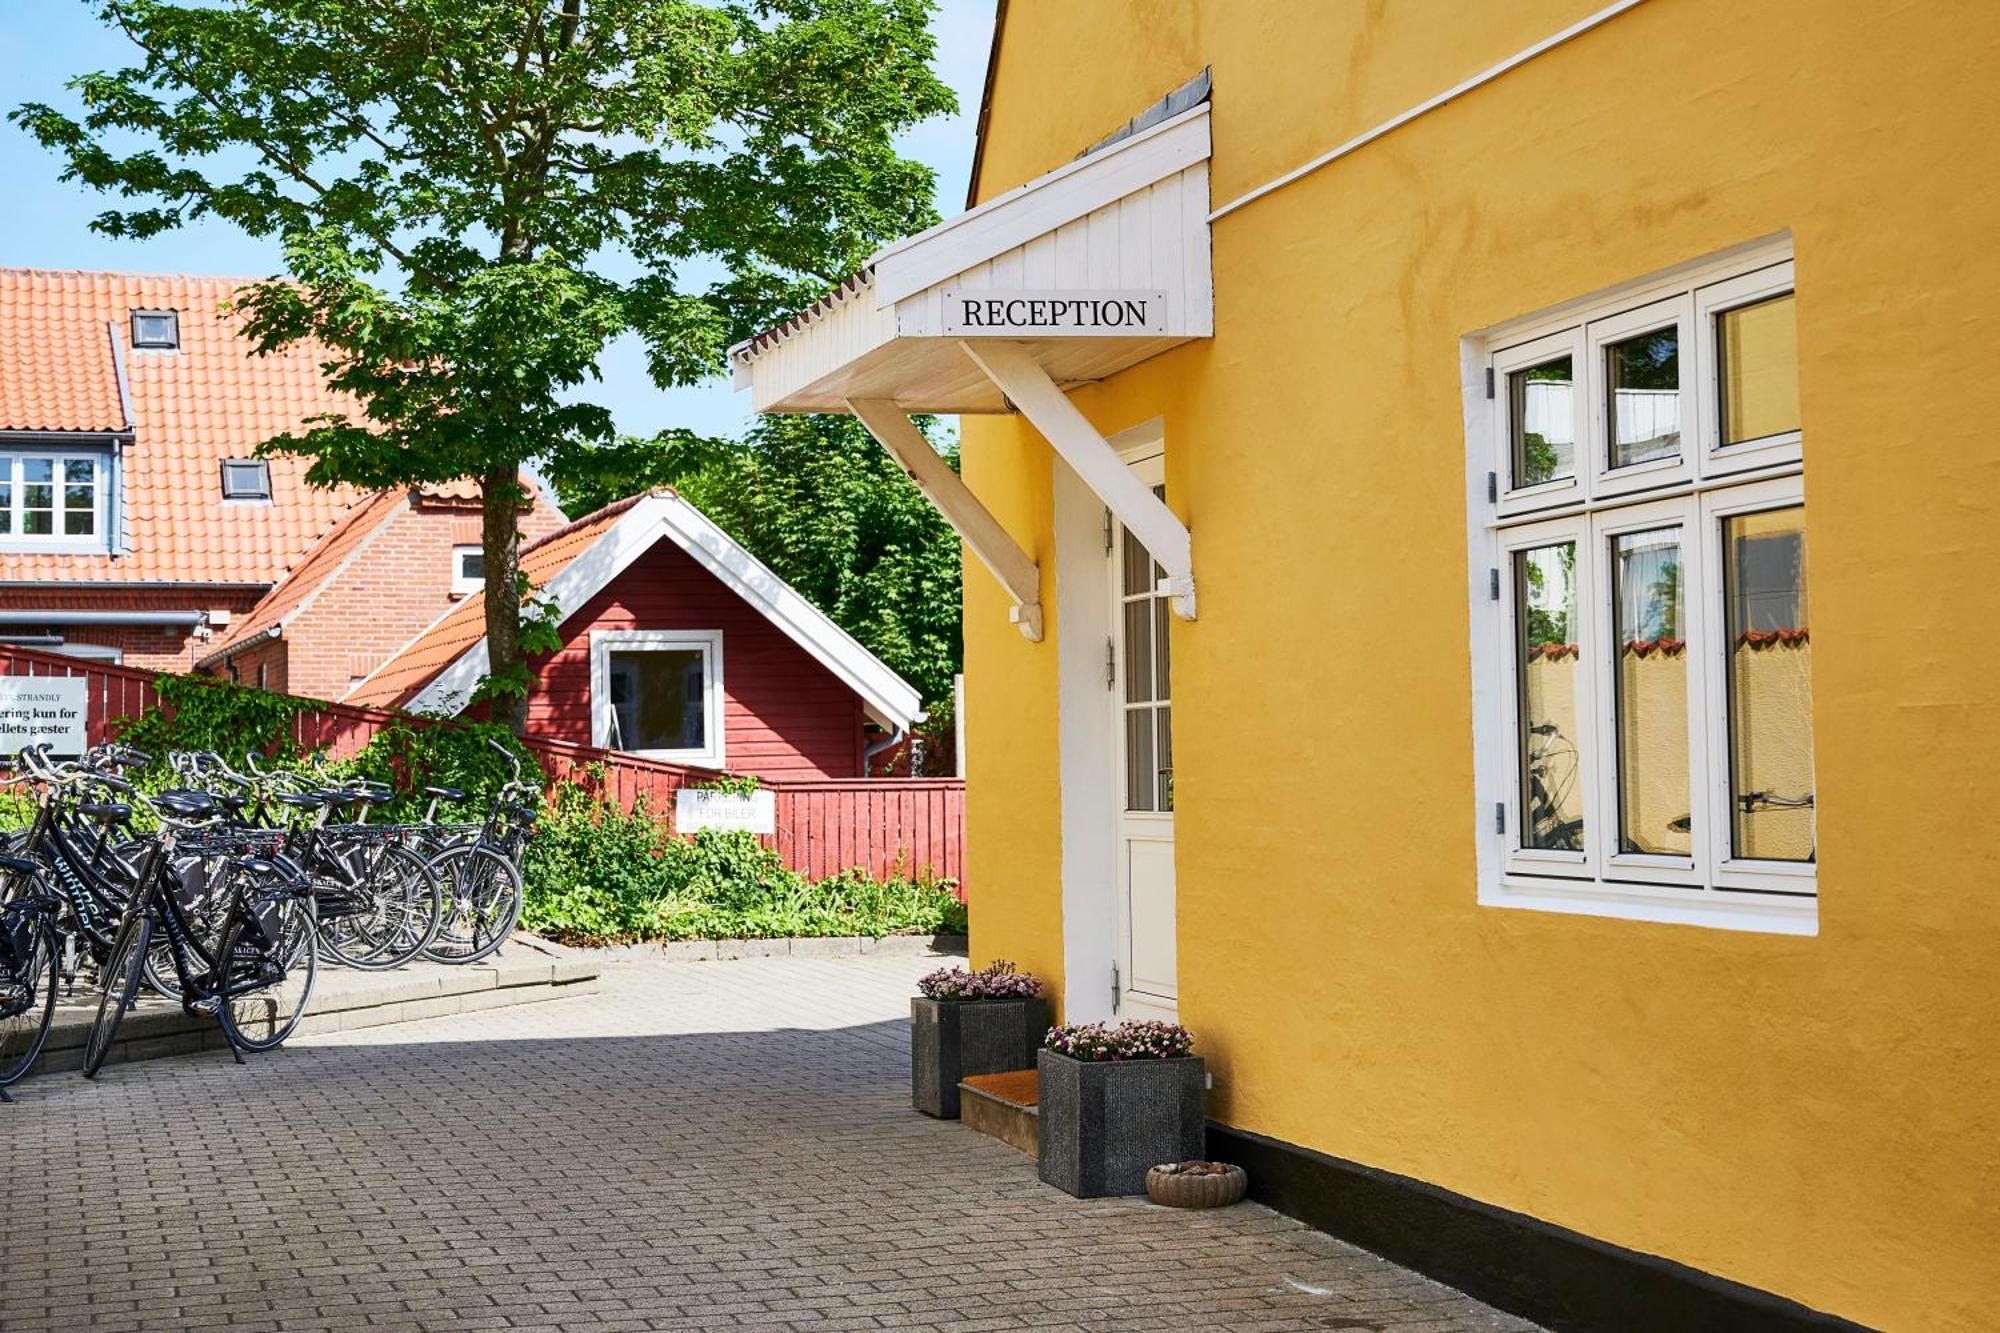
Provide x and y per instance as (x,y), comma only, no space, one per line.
(1105,1123)
(951,1039)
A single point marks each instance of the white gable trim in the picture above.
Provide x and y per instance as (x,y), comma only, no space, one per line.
(889,699)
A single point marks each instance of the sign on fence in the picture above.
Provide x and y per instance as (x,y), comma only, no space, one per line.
(44,708)
(742,812)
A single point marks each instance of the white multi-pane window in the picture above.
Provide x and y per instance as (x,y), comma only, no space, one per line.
(51,501)
(1643,642)
(658,693)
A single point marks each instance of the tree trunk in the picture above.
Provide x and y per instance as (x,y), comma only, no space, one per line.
(500,541)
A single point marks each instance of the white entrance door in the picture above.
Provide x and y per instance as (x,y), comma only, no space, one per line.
(1144,769)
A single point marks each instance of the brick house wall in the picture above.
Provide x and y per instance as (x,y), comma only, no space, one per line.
(395,582)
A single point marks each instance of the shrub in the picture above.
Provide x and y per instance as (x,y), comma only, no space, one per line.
(995,981)
(597,874)
(1134,1039)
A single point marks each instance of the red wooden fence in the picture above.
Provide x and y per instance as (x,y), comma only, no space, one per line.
(881,825)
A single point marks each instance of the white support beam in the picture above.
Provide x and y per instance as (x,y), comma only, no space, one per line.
(971,520)
(1014,371)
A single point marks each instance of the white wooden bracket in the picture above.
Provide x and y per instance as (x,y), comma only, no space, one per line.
(1014,371)
(971,520)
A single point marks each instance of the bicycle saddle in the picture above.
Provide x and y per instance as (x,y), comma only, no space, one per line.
(231,801)
(19,865)
(445,793)
(186,804)
(105,812)
(300,800)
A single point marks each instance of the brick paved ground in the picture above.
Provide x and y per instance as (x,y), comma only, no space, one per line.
(699,1146)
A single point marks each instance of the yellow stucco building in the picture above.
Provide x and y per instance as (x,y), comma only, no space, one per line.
(1477,379)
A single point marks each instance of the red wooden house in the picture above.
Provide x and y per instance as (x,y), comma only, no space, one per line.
(677,644)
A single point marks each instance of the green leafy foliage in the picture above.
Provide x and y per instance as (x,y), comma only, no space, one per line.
(596,874)
(475,196)
(207,713)
(830,512)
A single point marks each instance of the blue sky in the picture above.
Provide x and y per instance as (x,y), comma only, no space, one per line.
(46,222)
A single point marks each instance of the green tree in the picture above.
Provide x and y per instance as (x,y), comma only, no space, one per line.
(456,182)
(832,514)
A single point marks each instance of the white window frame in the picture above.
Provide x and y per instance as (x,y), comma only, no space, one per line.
(463,584)
(707,642)
(1514,499)
(10,479)
(1697,493)
(1710,303)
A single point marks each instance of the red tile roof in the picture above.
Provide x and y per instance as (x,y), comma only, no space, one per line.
(188,410)
(446,638)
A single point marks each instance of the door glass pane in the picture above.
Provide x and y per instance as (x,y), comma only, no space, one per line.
(1770,686)
(1757,367)
(1137,566)
(1138,657)
(1650,694)
(1643,376)
(1164,764)
(1543,414)
(1161,655)
(656,699)
(1551,796)
(38,496)
(79,497)
(1139,759)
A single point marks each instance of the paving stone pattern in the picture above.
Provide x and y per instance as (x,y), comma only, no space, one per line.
(697,1146)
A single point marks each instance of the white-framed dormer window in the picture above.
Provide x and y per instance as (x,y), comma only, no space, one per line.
(53,501)
(658,693)
(468,570)
(1642,646)
(246,479)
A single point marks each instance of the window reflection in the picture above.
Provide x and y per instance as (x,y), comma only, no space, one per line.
(1757,369)
(1644,378)
(1543,412)
(1551,796)
(1770,686)
(1650,693)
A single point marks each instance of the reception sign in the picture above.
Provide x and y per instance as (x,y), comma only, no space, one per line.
(34,709)
(1059,314)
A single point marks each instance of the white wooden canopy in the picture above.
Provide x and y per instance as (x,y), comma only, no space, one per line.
(1074,276)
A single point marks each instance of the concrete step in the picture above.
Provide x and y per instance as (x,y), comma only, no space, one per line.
(1005,1107)
(527,971)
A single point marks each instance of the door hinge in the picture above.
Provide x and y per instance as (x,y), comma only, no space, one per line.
(1117,988)
(1489,381)
(1493,583)
(1110,664)
(1499,816)
(1108,542)
(1492,488)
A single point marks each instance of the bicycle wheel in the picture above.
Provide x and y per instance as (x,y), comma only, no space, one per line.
(27,993)
(406,908)
(122,968)
(482,903)
(262,998)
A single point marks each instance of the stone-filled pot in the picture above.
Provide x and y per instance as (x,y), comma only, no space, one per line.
(1105,1123)
(951,1039)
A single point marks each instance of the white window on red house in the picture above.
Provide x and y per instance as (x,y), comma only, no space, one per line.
(658,693)
(52,501)
(1643,653)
